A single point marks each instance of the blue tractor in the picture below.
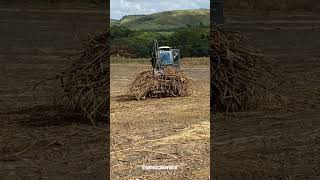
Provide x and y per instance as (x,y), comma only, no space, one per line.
(162,57)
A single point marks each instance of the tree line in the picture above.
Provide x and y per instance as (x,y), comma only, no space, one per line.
(192,41)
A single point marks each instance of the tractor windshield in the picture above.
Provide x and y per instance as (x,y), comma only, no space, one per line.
(166,57)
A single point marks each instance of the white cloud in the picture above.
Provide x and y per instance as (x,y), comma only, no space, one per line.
(120,8)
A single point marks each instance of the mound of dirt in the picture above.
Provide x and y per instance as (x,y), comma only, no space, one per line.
(174,82)
(241,79)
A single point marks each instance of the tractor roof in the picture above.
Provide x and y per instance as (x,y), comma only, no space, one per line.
(164,47)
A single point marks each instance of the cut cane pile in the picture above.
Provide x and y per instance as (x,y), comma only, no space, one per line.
(240,77)
(173,83)
(85,83)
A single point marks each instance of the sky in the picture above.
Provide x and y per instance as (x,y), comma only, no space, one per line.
(120,8)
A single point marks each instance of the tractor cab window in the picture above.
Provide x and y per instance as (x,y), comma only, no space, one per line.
(166,57)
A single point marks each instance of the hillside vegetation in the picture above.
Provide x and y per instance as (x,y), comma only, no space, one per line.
(192,41)
(187,30)
(165,20)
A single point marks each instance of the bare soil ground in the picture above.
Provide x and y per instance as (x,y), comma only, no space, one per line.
(167,131)
(38,140)
(279,143)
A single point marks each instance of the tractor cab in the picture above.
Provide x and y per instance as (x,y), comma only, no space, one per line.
(165,55)
(169,56)
(162,57)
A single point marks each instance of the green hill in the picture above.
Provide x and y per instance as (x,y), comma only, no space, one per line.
(114,22)
(166,19)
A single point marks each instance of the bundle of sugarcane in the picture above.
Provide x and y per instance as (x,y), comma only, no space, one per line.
(86,82)
(174,82)
(241,79)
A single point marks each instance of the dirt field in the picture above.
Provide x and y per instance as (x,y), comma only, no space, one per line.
(169,131)
(36,140)
(279,143)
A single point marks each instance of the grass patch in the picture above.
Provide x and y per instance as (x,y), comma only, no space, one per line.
(190,61)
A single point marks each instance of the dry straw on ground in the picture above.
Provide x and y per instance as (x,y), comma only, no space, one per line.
(241,79)
(174,82)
